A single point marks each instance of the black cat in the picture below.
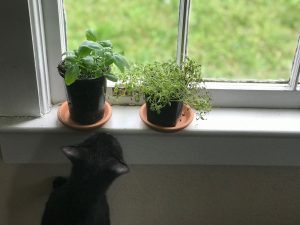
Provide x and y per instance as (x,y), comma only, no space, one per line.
(81,199)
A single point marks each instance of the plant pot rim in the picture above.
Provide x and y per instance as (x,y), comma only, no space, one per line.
(61,72)
(89,79)
(183,121)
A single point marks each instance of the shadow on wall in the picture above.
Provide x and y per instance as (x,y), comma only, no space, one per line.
(28,189)
(25,189)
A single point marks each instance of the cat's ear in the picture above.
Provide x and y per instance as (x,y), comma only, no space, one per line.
(119,168)
(72,152)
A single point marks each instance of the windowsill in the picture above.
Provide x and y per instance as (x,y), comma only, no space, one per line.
(228,136)
(219,121)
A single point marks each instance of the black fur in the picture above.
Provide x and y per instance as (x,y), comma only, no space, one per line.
(81,199)
(58,182)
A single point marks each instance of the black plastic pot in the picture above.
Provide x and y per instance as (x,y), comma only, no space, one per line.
(86,100)
(168,115)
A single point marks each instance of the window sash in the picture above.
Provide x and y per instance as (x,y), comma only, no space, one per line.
(40,55)
(296,68)
(183,30)
(184,12)
(54,28)
(224,94)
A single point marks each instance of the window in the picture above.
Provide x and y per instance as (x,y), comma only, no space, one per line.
(137,28)
(244,40)
(283,94)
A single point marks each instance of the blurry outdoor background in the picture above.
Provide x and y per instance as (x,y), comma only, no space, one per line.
(232,39)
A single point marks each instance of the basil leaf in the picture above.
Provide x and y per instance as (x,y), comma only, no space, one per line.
(108,59)
(70,59)
(120,62)
(111,77)
(86,47)
(90,35)
(106,43)
(88,60)
(71,75)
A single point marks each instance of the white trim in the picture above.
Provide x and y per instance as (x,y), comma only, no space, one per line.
(296,68)
(255,98)
(40,56)
(54,24)
(244,86)
(253,95)
(62,25)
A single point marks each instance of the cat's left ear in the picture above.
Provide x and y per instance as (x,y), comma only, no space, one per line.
(72,152)
(119,168)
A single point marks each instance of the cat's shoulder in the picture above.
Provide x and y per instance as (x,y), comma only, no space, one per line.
(59,182)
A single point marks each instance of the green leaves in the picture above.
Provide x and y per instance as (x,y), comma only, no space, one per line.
(87,47)
(111,77)
(120,62)
(70,59)
(106,43)
(92,59)
(90,35)
(108,59)
(88,60)
(164,82)
(71,75)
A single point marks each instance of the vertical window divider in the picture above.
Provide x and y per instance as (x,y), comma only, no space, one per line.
(295,68)
(183,29)
(62,25)
(39,49)
(54,29)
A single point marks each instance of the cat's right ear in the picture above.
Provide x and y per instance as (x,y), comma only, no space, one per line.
(71,152)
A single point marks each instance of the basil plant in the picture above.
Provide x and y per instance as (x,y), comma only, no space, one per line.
(92,59)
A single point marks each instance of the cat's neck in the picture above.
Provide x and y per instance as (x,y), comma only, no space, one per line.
(82,182)
(85,192)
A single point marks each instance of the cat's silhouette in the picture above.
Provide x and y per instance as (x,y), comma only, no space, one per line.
(81,198)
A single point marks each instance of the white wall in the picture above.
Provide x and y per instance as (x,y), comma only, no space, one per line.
(167,195)
(17,70)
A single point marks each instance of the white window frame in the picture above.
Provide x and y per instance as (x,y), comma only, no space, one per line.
(51,30)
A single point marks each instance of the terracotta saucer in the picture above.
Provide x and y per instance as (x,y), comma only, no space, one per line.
(183,121)
(63,115)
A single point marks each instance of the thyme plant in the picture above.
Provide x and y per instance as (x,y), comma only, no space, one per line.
(163,82)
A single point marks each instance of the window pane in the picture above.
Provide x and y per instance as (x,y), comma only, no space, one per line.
(144,30)
(242,39)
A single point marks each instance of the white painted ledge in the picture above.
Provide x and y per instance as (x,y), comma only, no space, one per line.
(226,137)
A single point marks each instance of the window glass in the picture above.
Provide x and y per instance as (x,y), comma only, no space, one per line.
(143,30)
(244,40)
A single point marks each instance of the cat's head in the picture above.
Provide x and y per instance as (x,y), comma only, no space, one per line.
(99,154)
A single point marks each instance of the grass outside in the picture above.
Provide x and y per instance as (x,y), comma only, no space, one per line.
(232,39)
